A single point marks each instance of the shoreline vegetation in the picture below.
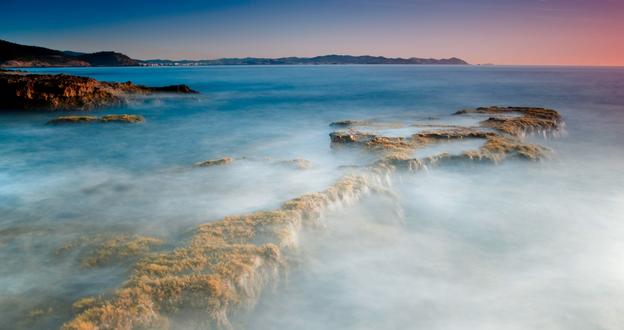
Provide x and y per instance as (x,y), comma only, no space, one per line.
(14,55)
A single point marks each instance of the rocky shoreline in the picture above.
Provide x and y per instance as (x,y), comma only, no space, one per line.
(225,265)
(24,91)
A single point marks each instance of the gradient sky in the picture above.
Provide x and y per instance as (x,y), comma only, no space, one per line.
(559,32)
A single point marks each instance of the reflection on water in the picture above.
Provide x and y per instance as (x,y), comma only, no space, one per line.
(513,246)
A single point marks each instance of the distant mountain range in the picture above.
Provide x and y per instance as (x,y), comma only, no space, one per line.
(16,55)
(326,59)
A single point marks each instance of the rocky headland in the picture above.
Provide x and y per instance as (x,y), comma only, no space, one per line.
(23,91)
(15,55)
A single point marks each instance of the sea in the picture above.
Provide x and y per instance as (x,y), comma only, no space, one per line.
(508,246)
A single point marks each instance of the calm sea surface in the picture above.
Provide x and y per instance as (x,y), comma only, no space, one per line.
(512,246)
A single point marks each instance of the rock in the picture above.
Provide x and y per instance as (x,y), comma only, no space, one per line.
(215,162)
(94,119)
(178,89)
(300,164)
(20,91)
(122,119)
(496,147)
(222,269)
(350,137)
(348,123)
(452,133)
(73,119)
(530,120)
(225,265)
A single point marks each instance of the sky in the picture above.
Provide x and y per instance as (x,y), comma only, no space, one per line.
(515,32)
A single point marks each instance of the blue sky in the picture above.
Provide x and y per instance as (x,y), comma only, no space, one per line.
(480,31)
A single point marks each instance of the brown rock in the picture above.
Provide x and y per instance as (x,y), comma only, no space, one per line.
(226,264)
(20,91)
(300,164)
(93,119)
(215,162)
(529,120)
(348,123)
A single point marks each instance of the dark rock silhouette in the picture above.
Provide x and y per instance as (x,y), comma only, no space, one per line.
(108,59)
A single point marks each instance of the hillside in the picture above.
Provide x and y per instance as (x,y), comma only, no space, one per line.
(318,60)
(16,55)
(108,59)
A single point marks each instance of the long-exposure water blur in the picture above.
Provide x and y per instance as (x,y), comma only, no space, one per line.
(514,244)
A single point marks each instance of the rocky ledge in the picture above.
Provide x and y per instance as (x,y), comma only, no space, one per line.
(132,119)
(502,134)
(21,91)
(225,265)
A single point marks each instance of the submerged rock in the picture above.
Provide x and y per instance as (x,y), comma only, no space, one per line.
(348,123)
(529,120)
(19,91)
(215,162)
(181,89)
(512,121)
(122,118)
(300,164)
(226,264)
(73,119)
(94,119)
(451,134)
(222,270)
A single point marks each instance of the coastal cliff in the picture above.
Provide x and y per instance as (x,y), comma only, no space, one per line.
(21,91)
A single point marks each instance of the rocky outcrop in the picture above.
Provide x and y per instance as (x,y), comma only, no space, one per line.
(215,162)
(222,270)
(94,119)
(512,122)
(226,264)
(519,120)
(299,164)
(20,91)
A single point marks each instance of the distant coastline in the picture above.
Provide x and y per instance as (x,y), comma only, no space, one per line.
(14,55)
(317,60)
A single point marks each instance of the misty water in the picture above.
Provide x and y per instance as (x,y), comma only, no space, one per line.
(518,245)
